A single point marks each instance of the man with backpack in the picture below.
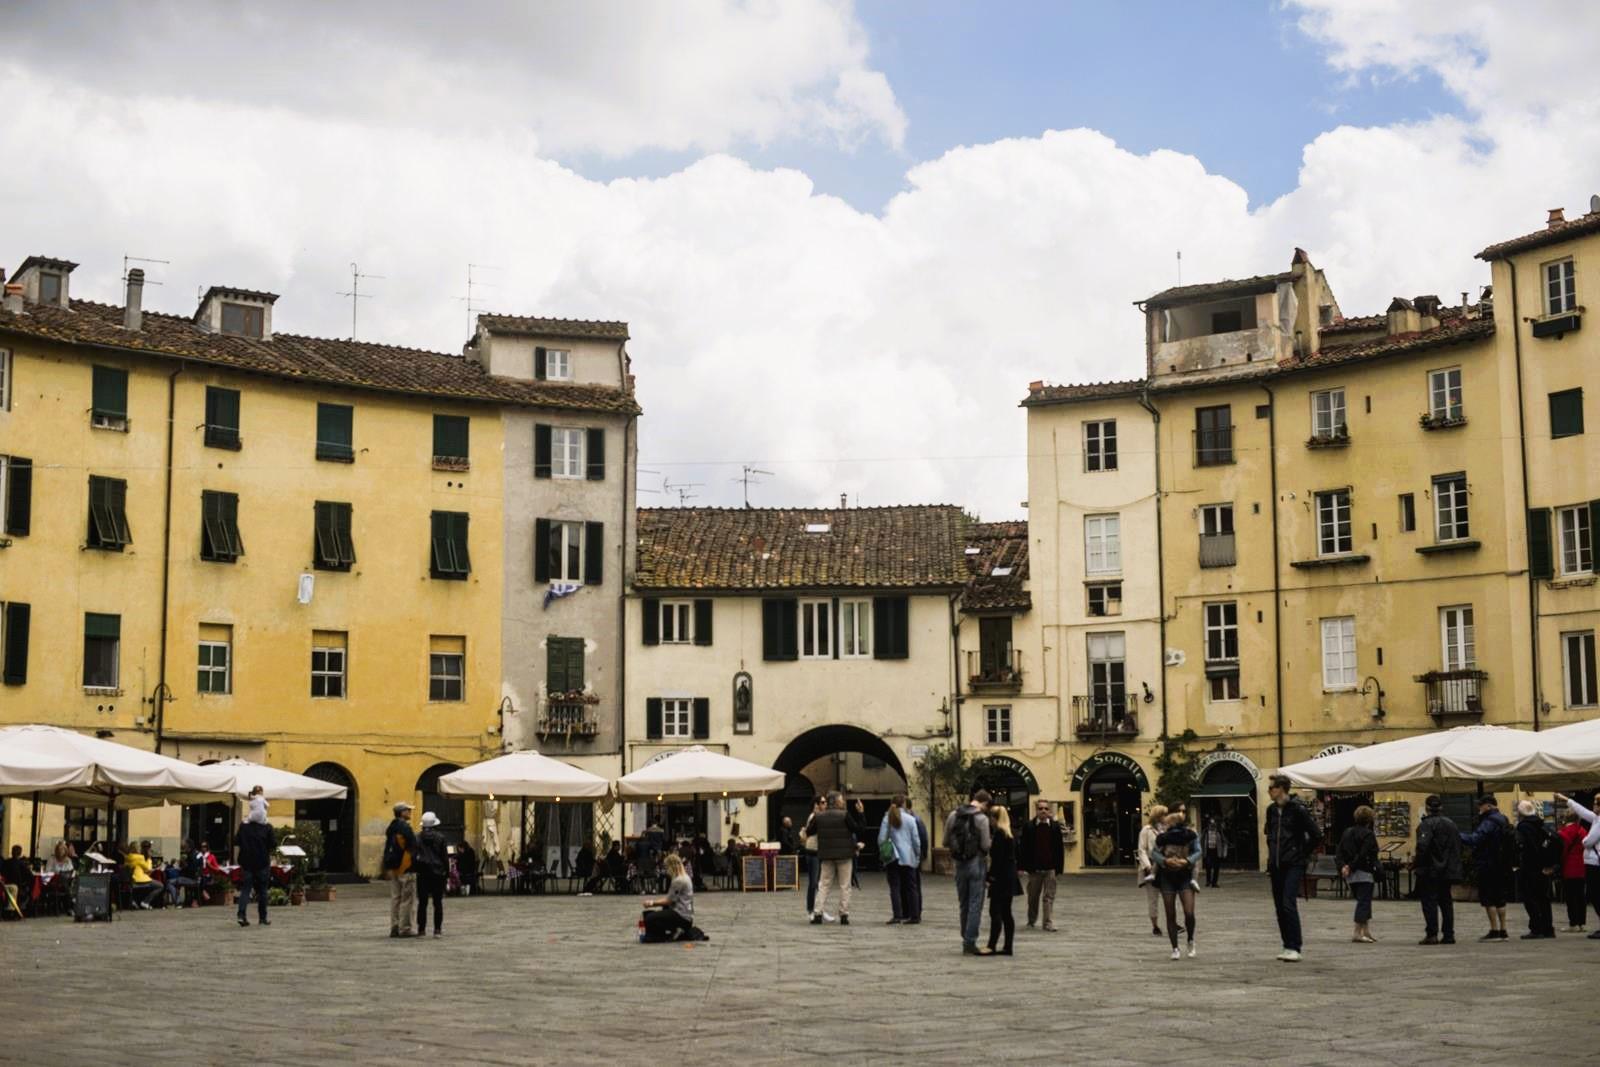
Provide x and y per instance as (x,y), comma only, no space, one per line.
(1540,851)
(1438,867)
(1493,855)
(966,835)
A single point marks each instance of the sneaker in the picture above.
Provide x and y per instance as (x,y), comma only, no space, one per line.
(243,921)
(1284,955)
(1191,950)
(828,918)
(394,931)
(816,920)
(1030,926)
(1177,955)
(1049,929)
(1291,956)
(984,951)
(1595,936)
(438,933)
(1447,941)
(266,922)
(1530,936)
(970,950)
(844,920)
(894,922)
(913,922)
(1431,939)
(1492,935)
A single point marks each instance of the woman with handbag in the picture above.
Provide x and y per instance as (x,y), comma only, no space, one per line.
(899,848)
(1174,856)
(1004,885)
(1358,864)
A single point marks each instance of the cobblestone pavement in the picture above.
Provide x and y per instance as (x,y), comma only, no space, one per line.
(563,980)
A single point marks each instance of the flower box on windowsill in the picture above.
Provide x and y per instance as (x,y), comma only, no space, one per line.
(101,691)
(1557,325)
(1571,581)
(1441,422)
(1340,438)
(451,463)
(1346,560)
(1464,545)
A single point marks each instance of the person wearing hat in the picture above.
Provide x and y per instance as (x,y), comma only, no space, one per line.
(399,859)
(1490,848)
(1437,864)
(433,870)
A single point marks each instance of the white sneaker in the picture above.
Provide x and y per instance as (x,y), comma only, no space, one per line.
(1177,955)
(1282,956)
(1291,956)
(829,918)
(1191,950)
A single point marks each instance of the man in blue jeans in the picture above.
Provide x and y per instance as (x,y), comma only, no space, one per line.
(1291,835)
(808,852)
(966,835)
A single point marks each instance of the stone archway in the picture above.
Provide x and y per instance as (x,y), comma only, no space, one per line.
(336,818)
(818,743)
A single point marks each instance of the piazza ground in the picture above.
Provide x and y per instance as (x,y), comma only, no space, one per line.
(563,980)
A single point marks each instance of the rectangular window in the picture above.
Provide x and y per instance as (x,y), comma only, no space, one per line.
(15,618)
(1328,414)
(1216,519)
(1102,535)
(109,410)
(447,668)
(1100,445)
(243,320)
(816,629)
(1222,685)
(1339,653)
(1566,413)
(1217,547)
(1227,321)
(565,551)
(215,659)
(1333,523)
(219,527)
(677,622)
(997,726)
(677,718)
(332,546)
(1459,638)
(1105,598)
(558,364)
(564,666)
(1222,632)
(102,645)
(450,556)
(1408,513)
(1575,527)
(855,629)
(1213,436)
(450,436)
(336,433)
(566,456)
(16,495)
(50,286)
(1444,395)
(1578,669)
(328,664)
(1108,691)
(1560,289)
(1450,507)
(5,380)
(222,418)
(108,514)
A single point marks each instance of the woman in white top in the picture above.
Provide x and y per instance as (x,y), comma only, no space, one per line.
(1147,871)
(60,861)
(1591,854)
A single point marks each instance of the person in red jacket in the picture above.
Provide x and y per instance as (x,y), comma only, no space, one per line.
(1572,874)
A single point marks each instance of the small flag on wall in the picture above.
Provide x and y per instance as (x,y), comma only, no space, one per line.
(558,590)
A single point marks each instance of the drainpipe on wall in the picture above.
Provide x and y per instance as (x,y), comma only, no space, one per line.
(1277,597)
(955,672)
(1161,582)
(162,692)
(622,589)
(1522,452)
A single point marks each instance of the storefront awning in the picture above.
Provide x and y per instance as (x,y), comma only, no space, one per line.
(1223,789)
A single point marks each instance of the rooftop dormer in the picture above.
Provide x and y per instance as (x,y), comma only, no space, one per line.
(577,351)
(45,281)
(236,312)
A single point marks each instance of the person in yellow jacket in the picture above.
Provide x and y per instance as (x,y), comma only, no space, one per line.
(145,888)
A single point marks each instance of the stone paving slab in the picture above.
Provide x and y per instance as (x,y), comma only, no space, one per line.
(563,980)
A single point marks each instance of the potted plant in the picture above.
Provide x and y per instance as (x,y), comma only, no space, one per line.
(317,887)
(306,870)
(221,889)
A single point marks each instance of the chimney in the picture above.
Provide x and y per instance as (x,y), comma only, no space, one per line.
(12,301)
(1558,215)
(1402,317)
(133,309)
(844,501)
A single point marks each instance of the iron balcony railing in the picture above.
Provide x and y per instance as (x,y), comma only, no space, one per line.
(1213,447)
(1454,693)
(569,720)
(1217,550)
(995,673)
(1105,717)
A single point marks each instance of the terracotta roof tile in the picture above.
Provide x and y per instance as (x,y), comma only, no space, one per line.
(1451,331)
(327,361)
(909,547)
(1068,394)
(1561,231)
(1261,283)
(578,328)
(1000,545)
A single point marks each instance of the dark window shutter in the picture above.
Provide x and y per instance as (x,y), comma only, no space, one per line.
(652,621)
(458,530)
(541,450)
(539,364)
(1566,413)
(541,550)
(450,435)
(1594,526)
(1540,561)
(780,637)
(347,541)
(595,455)
(19,497)
(574,657)
(555,665)
(702,622)
(891,627)
(111,392)
(336,432)
(594,553)
(702,718)
(16,654)
(652,718)
(834,628)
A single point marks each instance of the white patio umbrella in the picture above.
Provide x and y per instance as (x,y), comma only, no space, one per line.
(1465,758)
(278,785)
(698,774)
(523,776)
(110,775)
(1570,755)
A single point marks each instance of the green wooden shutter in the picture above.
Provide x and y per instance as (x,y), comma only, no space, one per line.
(111,392)
(652,718)
(702,622)
(222,417)
(780,635)
(575,666)
(541,550)
(117,500)
(324,538)
(458,537)
(336,432)
(16,651)
(95,625)
(450,437)
(891,636)
(594,553)
(595,455)
(702,718)
(1540,561)
(559,662)
(540,364)
(651,618)
(541,451)
(1566,413)
(19,497)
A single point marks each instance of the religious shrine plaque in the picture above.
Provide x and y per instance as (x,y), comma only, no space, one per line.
(755,874)
(786,872)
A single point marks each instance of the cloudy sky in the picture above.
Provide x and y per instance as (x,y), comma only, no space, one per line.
(846,238)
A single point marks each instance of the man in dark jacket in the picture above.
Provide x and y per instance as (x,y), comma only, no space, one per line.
(399,859)
(911,877)
(256,845)
(1438,867)
(1291,836)
(1489,850)
(1042,852)
(1533,881)
(433,871)
(836,832)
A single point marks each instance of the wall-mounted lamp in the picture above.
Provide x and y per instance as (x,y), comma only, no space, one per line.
(1367,688)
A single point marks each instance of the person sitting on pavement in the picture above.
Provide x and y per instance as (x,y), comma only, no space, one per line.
(673,918)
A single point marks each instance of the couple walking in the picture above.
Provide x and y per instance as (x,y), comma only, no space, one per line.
(987,857)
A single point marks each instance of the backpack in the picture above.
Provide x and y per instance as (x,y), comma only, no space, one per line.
(1509,852)
(1552,850)
(963,843)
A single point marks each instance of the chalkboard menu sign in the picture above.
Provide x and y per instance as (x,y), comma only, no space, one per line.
(94,899)
(755,874)
(786,872)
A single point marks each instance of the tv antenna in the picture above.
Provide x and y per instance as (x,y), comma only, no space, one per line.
(1180,266)
(685,490)
(751,474)
(356,295)
(474,283)
(141,259)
